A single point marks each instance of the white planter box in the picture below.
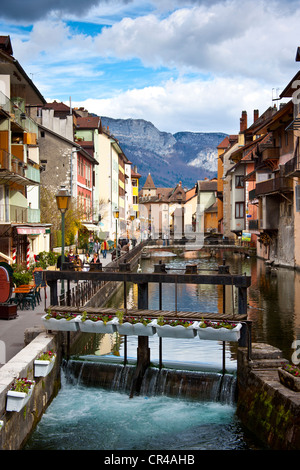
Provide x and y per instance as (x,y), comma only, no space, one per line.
(17,400)
(136,329)
(220,334)
(43,368)
(167,331)
(89,326)
(62,324)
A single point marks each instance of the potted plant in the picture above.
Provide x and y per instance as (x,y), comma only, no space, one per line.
(289,376)
(62,321)
(44,364)
(97,323)
(219,330)
(134,326)
(19,394)
(177,328)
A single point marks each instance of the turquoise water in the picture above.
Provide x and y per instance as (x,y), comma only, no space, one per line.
(82,418)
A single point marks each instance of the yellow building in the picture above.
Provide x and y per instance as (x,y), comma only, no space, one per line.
(135,176)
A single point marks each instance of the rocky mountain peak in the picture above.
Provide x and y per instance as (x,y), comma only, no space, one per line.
(170,158)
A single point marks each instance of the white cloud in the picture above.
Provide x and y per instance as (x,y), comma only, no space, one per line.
(224,56)
(226,38)
(192,106)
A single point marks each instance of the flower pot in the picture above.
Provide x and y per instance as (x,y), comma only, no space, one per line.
(90,326)
(136,329)
(17,400)
(43,368)
(220,334)
(289,380)
(62,324)
(178,331)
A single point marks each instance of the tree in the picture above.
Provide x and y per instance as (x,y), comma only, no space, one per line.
(51,215)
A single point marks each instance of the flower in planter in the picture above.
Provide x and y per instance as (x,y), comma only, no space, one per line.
(175,322)
(292,369)
(134,320)
(46,356)
(96,317)
(60,315)
(22,385)
(217,324)
(131,319)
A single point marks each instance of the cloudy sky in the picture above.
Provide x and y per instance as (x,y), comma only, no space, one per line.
(184,65)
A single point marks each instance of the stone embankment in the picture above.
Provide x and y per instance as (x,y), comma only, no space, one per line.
(15,427)
(267,408)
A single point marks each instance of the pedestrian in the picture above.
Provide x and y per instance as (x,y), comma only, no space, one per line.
(104,246)
(96,246)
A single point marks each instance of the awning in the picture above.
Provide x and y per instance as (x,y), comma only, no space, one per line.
(30,230)
(91,227)
(9,177)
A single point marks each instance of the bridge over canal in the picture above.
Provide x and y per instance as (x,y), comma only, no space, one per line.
(160,276)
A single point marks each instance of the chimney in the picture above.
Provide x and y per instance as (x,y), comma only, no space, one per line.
(255,115)
(243,121)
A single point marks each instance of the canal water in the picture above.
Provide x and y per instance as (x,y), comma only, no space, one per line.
(93,418)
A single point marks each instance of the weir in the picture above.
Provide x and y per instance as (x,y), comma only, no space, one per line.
(142,368)
(187,384)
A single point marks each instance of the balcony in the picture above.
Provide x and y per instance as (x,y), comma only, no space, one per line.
(270,153)
(15,108)
(280,184)
(292,167)
(34,216)
(15,214)
(253,224)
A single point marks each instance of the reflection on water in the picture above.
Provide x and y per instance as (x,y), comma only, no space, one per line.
(273,305)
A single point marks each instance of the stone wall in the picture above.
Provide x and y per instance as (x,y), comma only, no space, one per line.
(267,408)
(17,426)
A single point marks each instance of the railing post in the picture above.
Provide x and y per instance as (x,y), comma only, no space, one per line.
(143,350)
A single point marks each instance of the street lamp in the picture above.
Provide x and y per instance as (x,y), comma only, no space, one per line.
(132,217)
(116,216)
(63,201)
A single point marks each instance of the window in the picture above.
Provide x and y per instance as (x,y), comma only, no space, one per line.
(239,181)
(297,196)
(239,210)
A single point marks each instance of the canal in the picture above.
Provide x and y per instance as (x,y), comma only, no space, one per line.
(84,417)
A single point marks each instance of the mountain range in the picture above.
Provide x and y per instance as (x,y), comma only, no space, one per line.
(170,158)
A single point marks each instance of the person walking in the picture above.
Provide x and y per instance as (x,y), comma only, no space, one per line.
(96,246)
(104,248)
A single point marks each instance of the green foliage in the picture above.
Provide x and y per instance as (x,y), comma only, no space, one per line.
(20,275)
(48,258)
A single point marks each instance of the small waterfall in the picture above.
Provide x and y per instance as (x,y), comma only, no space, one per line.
(196,385)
